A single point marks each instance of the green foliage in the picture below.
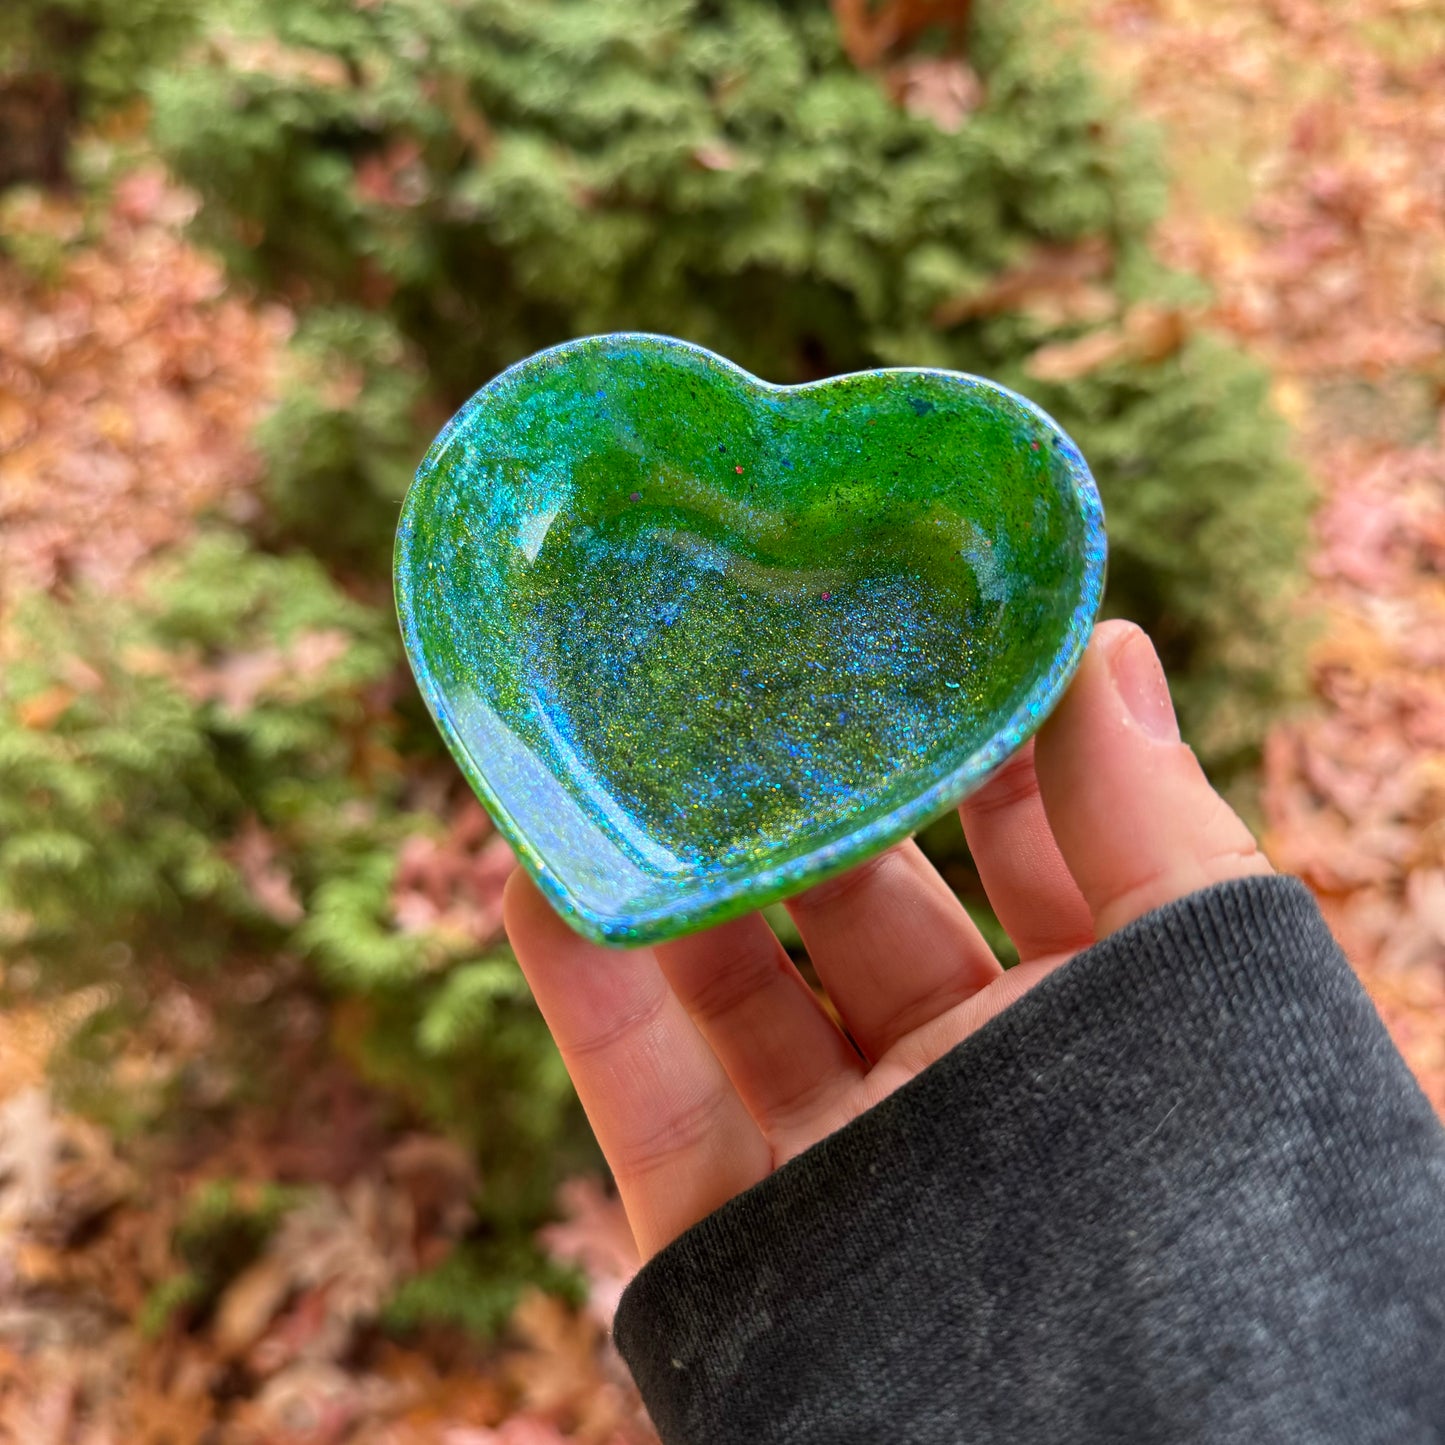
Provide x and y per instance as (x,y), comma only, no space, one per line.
(222,1230)
(37,253)
(82,1071)
(97,49)
(469,1006)
(192,774)
(224,1227)
(491,177)
(473,1056)
(476,1287)
(175,1295)
(137,739)
(337,470)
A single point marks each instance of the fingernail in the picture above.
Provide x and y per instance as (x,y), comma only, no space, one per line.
(1140,682)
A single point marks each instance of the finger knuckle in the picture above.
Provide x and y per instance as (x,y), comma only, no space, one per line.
(619,1029)
(680,1133)
(1014,784)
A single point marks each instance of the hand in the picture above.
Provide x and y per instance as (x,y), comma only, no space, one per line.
(705,1063)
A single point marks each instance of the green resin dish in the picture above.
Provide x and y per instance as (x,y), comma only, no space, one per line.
(698,641)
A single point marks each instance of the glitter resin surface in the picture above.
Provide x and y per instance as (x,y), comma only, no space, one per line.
(698,641)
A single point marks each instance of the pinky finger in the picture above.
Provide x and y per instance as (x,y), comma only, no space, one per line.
(674,1130)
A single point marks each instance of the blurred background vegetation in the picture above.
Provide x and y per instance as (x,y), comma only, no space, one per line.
(256,252)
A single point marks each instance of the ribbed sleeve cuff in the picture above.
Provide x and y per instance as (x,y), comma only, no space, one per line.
(1185,1188)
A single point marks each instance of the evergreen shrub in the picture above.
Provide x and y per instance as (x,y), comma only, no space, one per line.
(488,178)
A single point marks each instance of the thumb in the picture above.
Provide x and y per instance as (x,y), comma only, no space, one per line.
(1133,814)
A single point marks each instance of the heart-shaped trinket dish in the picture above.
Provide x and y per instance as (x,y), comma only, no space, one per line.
(698,641)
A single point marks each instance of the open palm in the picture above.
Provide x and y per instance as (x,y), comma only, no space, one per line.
(705,1063)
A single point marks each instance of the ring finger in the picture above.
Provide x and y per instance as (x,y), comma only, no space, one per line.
(892,945)
(787,1059)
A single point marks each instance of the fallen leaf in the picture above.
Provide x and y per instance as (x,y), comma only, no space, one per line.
(1069,360)
(334,1260)
(440,1180)
(716,155)
(518,1430)
(453,884)
(1148,333)
(595,1236)
(265,55)
(256,857)
(43,710)
(942,89)
(315,1402)
(1058,285)
(870,31)
(250,1304)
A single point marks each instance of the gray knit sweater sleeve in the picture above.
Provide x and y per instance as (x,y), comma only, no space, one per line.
(1184,1190)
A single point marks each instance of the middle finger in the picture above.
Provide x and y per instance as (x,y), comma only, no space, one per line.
(1024,874)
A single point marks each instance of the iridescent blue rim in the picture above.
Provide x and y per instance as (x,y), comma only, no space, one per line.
(705,904)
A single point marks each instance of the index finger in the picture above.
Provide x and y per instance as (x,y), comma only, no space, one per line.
(1133,814)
